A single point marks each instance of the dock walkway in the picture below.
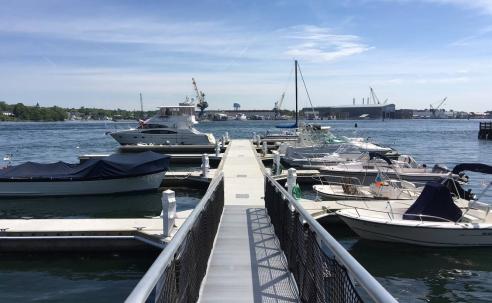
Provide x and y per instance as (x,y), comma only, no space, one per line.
(246,264)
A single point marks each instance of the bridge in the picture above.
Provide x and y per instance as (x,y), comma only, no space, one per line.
(249,240)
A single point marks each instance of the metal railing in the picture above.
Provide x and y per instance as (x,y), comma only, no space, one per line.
(177,273)
(322,268)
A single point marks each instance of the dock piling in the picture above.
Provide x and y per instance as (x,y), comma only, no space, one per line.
(205,165)
(264,148)
(217,149)
(276,163)
(226,135)
(168,214)
(291,179)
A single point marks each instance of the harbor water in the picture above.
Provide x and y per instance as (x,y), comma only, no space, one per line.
(411,274)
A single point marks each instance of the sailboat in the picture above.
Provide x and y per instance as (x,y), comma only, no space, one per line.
(296,124)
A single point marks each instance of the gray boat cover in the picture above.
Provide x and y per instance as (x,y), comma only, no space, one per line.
(434,204)
(112,167)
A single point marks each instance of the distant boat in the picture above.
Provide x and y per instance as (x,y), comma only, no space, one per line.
(241,117)
(171,125)
(220,117)
(118,173)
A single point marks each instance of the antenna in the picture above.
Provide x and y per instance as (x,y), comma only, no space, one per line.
(141,105)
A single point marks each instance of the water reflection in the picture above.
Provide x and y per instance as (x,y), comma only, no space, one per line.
(108,206)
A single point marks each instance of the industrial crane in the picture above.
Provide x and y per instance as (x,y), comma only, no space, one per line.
(434,109)
(374,98)
(200,98)
(278,105)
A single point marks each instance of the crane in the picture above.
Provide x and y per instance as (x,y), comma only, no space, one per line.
(278,105)
(374,98)
(433,109)
(200,98)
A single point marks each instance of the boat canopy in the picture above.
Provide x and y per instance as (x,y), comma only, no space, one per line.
(373,155)
(434,204)
(111,167)
(474,167)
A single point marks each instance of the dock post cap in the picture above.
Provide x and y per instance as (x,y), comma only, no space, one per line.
(168,212)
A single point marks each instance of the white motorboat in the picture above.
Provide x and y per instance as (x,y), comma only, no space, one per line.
(118,173)
(317,146)
(241,117)
(171,125)
(435,218)
(383,190)
(403,169)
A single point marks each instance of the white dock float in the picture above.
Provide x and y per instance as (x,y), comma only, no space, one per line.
(246,264)
(41,234)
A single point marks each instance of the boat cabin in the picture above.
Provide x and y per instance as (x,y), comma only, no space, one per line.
(182,110)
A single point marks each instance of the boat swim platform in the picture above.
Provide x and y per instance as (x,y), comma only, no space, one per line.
(24,235)
(246,263)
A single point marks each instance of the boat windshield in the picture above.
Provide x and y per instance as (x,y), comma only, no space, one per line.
(168,111)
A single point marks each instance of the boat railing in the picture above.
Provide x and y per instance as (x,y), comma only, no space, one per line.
(177,273)
(323,269)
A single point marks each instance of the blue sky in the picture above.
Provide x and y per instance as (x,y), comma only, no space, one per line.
(104,53)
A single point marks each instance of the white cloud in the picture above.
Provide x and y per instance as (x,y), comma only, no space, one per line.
(315,43)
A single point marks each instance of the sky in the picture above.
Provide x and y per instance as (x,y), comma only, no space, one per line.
(104,53)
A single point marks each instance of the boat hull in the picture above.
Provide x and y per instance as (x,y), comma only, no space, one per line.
(80,188)
(368,177)
(180,138)
(449,235)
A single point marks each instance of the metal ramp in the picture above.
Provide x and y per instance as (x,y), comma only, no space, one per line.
(247,263)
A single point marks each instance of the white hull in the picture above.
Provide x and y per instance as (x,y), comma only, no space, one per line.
(181,138)
(78,188)
(438,234)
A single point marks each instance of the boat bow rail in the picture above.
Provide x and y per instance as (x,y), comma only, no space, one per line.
(323,269)
(177,273)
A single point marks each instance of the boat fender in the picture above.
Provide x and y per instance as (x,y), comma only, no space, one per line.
(296,192)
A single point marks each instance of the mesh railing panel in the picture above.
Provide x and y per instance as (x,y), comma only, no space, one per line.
(319,277)
(183,276)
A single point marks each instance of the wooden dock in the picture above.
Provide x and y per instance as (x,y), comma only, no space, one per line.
(246,264)
(485,131)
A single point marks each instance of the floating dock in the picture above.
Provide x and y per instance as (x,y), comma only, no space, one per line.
(18,235)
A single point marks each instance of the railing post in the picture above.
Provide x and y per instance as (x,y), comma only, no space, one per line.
(291,179)
(168,212)
(205,165)
(217,148)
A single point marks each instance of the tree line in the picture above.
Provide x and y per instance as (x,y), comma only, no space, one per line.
(21,112)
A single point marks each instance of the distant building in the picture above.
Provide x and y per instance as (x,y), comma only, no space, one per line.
(355,111)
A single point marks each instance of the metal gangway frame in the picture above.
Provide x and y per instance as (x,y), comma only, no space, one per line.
(177,273)
(322,268)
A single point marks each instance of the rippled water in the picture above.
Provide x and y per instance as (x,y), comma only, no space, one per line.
(412,274)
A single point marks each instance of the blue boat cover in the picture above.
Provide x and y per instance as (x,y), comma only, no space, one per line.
(111,167)
(474,167)
(435,200)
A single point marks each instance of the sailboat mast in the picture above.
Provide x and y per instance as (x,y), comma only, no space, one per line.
(297,113)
